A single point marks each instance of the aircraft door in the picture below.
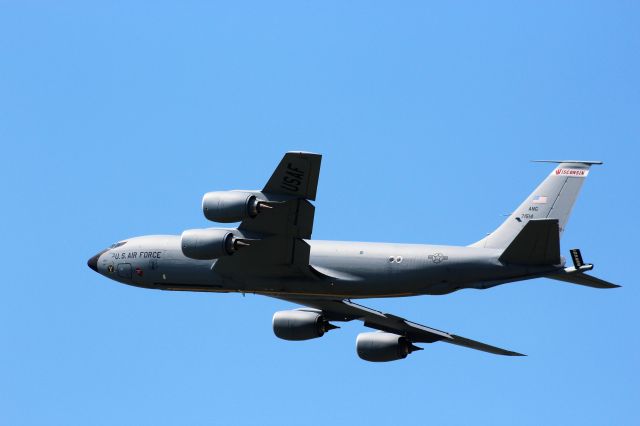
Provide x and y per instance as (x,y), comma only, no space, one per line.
(124,270)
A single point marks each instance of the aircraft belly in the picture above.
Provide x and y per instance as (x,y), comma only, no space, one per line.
(378,276)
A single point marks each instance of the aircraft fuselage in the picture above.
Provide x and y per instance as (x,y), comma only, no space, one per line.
(337,269)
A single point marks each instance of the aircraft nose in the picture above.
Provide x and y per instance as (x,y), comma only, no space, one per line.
(93,262)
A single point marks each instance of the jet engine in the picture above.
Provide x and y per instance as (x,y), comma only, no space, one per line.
(380,346)
(300,324)
(208,244)
(231,206)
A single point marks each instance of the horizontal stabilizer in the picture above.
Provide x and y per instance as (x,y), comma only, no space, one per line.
(583,279)
(537,244)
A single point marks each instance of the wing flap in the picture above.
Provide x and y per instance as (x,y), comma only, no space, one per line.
(293,218)
(274,257)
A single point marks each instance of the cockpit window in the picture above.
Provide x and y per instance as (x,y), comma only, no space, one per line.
(116,245)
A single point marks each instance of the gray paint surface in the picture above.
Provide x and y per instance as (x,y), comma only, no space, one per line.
(276,256)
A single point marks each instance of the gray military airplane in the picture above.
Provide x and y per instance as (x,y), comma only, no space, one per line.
(271,253)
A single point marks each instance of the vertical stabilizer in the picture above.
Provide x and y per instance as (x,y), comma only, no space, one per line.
(552,199)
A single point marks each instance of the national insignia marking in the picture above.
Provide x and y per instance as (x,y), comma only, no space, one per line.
(438,257)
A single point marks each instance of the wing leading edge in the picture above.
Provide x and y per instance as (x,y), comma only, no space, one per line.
(346,310)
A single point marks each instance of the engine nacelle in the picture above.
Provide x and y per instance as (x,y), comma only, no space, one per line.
(300,325)
(381,346)
(207,244)
(229,206)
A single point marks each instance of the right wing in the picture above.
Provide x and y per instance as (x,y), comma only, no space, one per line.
(346,310)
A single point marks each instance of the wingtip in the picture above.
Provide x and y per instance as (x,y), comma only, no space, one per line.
(509,353)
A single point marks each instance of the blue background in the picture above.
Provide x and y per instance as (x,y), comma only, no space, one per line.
(115,118)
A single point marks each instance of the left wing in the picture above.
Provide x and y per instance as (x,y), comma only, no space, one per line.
(287,211)
(346,310)
(275,236)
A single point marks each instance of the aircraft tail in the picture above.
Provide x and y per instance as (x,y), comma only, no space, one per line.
(552,199)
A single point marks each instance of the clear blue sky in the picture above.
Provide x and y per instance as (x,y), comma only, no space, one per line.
(115,118)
